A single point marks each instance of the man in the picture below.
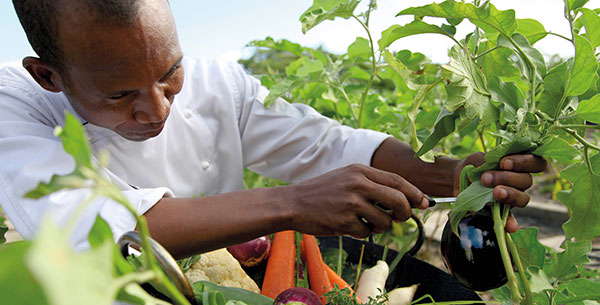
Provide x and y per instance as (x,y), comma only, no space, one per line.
(180,132)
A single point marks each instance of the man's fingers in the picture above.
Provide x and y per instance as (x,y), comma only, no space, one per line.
(511,225)
(523,163)
(393,191)
(520,181)
(510,196)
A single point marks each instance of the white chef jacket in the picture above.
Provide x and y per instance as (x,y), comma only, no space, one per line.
(218,125)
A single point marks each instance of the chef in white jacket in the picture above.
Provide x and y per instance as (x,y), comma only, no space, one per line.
(180,132)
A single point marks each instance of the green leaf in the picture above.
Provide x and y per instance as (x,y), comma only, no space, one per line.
(360,48)
(555,84)
(74,141)
(575,4)
(539,281)
(444,125)
(535,56)
(473,198)
(100,233)
(531,251)
(282,45)
(279,89)
(396,32)
(322,10)
(574,255)
(580,289)
(486,17)
(68,277)
(589,110)
(532,29)
(591,21)
(508,97)
(17,285)
(558,149)
(73,180)
(583,201)
(583,69)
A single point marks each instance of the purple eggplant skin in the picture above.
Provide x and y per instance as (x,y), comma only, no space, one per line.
(297,296)
(474,259)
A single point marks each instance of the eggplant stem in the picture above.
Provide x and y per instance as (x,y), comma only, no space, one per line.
(515,254)
(500,236)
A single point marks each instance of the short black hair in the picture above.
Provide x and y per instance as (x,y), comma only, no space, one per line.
(40,21)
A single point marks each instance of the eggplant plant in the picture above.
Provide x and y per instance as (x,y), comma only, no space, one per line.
(497,94)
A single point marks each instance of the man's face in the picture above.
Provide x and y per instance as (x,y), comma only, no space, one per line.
(122,77)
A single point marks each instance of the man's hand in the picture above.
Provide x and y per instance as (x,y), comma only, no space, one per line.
(510,182)
(342,202)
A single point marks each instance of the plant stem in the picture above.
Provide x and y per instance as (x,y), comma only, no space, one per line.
(500,236)
(486,52)
(561,36)
(517,259)
(340,249)
(373,73)
(347,99)
(581,140)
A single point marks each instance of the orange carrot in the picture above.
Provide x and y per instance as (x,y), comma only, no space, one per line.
(334,278)
(279,274)
(317,275)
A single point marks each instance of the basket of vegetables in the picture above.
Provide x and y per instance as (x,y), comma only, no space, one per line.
(295,268)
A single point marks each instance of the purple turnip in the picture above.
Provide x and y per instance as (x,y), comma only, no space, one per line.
(297,296)
(253,252)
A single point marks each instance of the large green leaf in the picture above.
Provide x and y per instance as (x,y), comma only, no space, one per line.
(360,48)
(531,251)
(583,69)
(444,125)
(575,4)
(396,32)
(591,21)
(281,88)
(508,97)
(519,144)
(281,45)
(555,84)
(589,110)
(539,281)
(17,285)
(583,201)
(322,10)
(534,56)
(68,277)
(486,17)
(74,141)
(568,261)
(532,29)
(558,149)
(473,198)
(579,289)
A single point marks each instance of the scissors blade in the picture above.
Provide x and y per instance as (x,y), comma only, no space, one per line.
(434,201)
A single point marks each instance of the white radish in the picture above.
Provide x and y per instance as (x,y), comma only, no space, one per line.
(402,295)
(372,281)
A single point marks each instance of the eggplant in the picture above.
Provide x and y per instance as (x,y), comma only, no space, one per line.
(473,257)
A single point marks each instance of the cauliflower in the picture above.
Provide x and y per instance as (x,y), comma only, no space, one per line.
(221,268)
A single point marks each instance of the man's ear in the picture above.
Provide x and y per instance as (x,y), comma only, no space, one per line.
(43,74)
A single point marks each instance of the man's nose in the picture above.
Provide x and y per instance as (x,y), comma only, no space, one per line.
(154,108)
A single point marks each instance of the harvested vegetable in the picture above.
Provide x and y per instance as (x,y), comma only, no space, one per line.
(336,279)
(297,296)
(251,253)
(279,274)
(317,275)
(230,294)
(402,295)
(473,257)
(221,268)
(372,281)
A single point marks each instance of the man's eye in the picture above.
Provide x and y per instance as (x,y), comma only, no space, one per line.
(118,96)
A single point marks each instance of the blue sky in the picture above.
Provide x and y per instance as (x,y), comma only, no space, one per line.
(221,29)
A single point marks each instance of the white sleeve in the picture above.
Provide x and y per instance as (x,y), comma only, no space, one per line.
(293,142)
(30,153)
